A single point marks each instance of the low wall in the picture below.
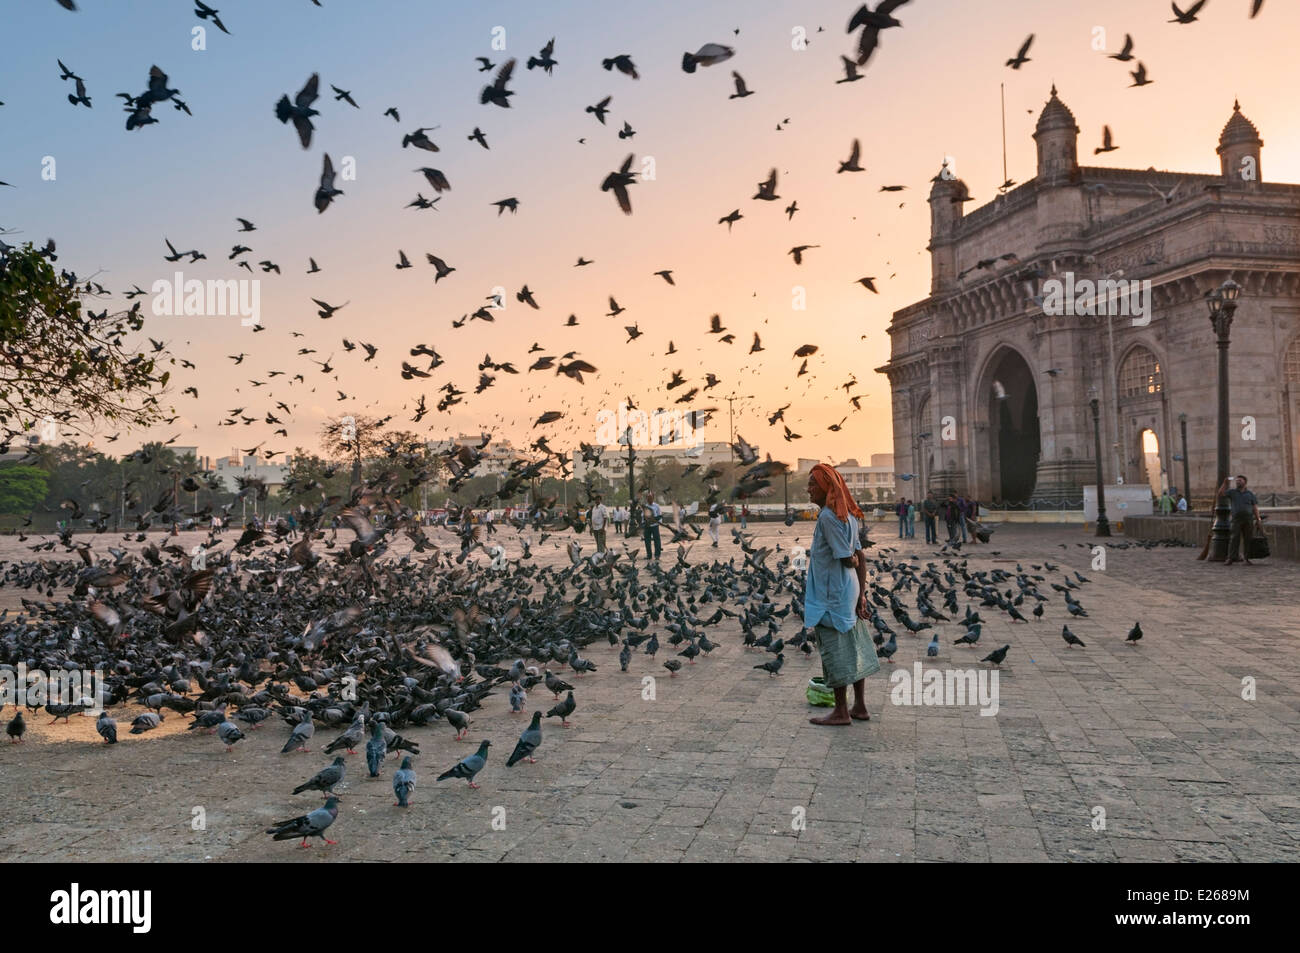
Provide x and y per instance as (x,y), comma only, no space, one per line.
(1284,538)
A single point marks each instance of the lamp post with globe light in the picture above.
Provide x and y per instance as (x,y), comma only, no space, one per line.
(1222,302)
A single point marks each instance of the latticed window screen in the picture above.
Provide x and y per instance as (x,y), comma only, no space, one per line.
(1140,374)
(1291,363)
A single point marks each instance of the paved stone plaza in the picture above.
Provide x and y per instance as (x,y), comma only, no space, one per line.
(723,764)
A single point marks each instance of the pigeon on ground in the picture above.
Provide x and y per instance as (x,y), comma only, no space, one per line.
(887,650)
(107,728)
(146,721)
(458,720)
(16,728)
(229,733)
(972,635)
(325,778)
(625,656)
(997,655)
(528,742)
(1070,638)
(1134,634)
(301,734)
(564,709)
(932,650)
(313,824)
(350,738)
(555,684)
(469,766)
(773,667)
(376,748)
(403,783)
(518,698)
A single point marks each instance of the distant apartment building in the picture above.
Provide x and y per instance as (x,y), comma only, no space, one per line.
(869,484)
(497,457)
(229,469)
(613,460)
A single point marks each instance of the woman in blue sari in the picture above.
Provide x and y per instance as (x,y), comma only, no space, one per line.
(835,598)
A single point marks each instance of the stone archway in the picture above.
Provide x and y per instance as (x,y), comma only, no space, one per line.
(1011,401)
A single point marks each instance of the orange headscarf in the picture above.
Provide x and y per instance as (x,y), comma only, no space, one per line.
(838,497)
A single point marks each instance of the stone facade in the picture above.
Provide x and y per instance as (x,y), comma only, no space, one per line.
(990,381)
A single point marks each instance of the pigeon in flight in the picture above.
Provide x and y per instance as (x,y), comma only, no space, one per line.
(497,92)
(600,109)
(419,140)
(767,188)
(731,219)
(741,89)
(623,63)
(1190,15)
(709,54)
(325,192)
(1126,54)
(1140,76)
(545,60)
(617,182)
(300,110)
(205,12)
(851,165)
(1020,59)
(1107,145)
(344,95)
(872,22)
(440,265)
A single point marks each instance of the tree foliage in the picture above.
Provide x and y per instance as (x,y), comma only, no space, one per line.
(21,488)
(64,366)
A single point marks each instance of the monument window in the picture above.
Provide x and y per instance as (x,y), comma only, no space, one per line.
(1140,375)
(1291,363)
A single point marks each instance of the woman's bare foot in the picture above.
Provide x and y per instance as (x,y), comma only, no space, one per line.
(859,714)
(836,717)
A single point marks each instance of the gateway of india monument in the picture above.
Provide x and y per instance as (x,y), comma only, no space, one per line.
(992,375)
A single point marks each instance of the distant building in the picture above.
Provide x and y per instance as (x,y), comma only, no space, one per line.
(496,460)
(613,461)
(992,374)
(229,469)
(869,484)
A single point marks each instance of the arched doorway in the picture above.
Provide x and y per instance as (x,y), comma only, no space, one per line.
(1152,469)
(1014,442)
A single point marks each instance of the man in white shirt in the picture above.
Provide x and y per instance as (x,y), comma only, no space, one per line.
(1182,505)
(715,520)
(598,517)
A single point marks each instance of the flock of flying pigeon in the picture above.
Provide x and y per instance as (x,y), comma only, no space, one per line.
(300,110)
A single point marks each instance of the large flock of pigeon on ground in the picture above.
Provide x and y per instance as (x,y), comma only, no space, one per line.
(371,644)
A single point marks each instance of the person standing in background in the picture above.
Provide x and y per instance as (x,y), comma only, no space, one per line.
(715,520)
(929,513)
(650,514)
(911,519)
(900,510)
(597,517)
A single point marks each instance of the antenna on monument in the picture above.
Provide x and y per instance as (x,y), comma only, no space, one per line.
(1003,87)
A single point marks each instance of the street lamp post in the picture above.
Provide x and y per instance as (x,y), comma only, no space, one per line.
(1222,302)
(1103,524)
(1187,480)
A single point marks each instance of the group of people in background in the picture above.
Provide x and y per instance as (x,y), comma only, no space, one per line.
(957,512)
